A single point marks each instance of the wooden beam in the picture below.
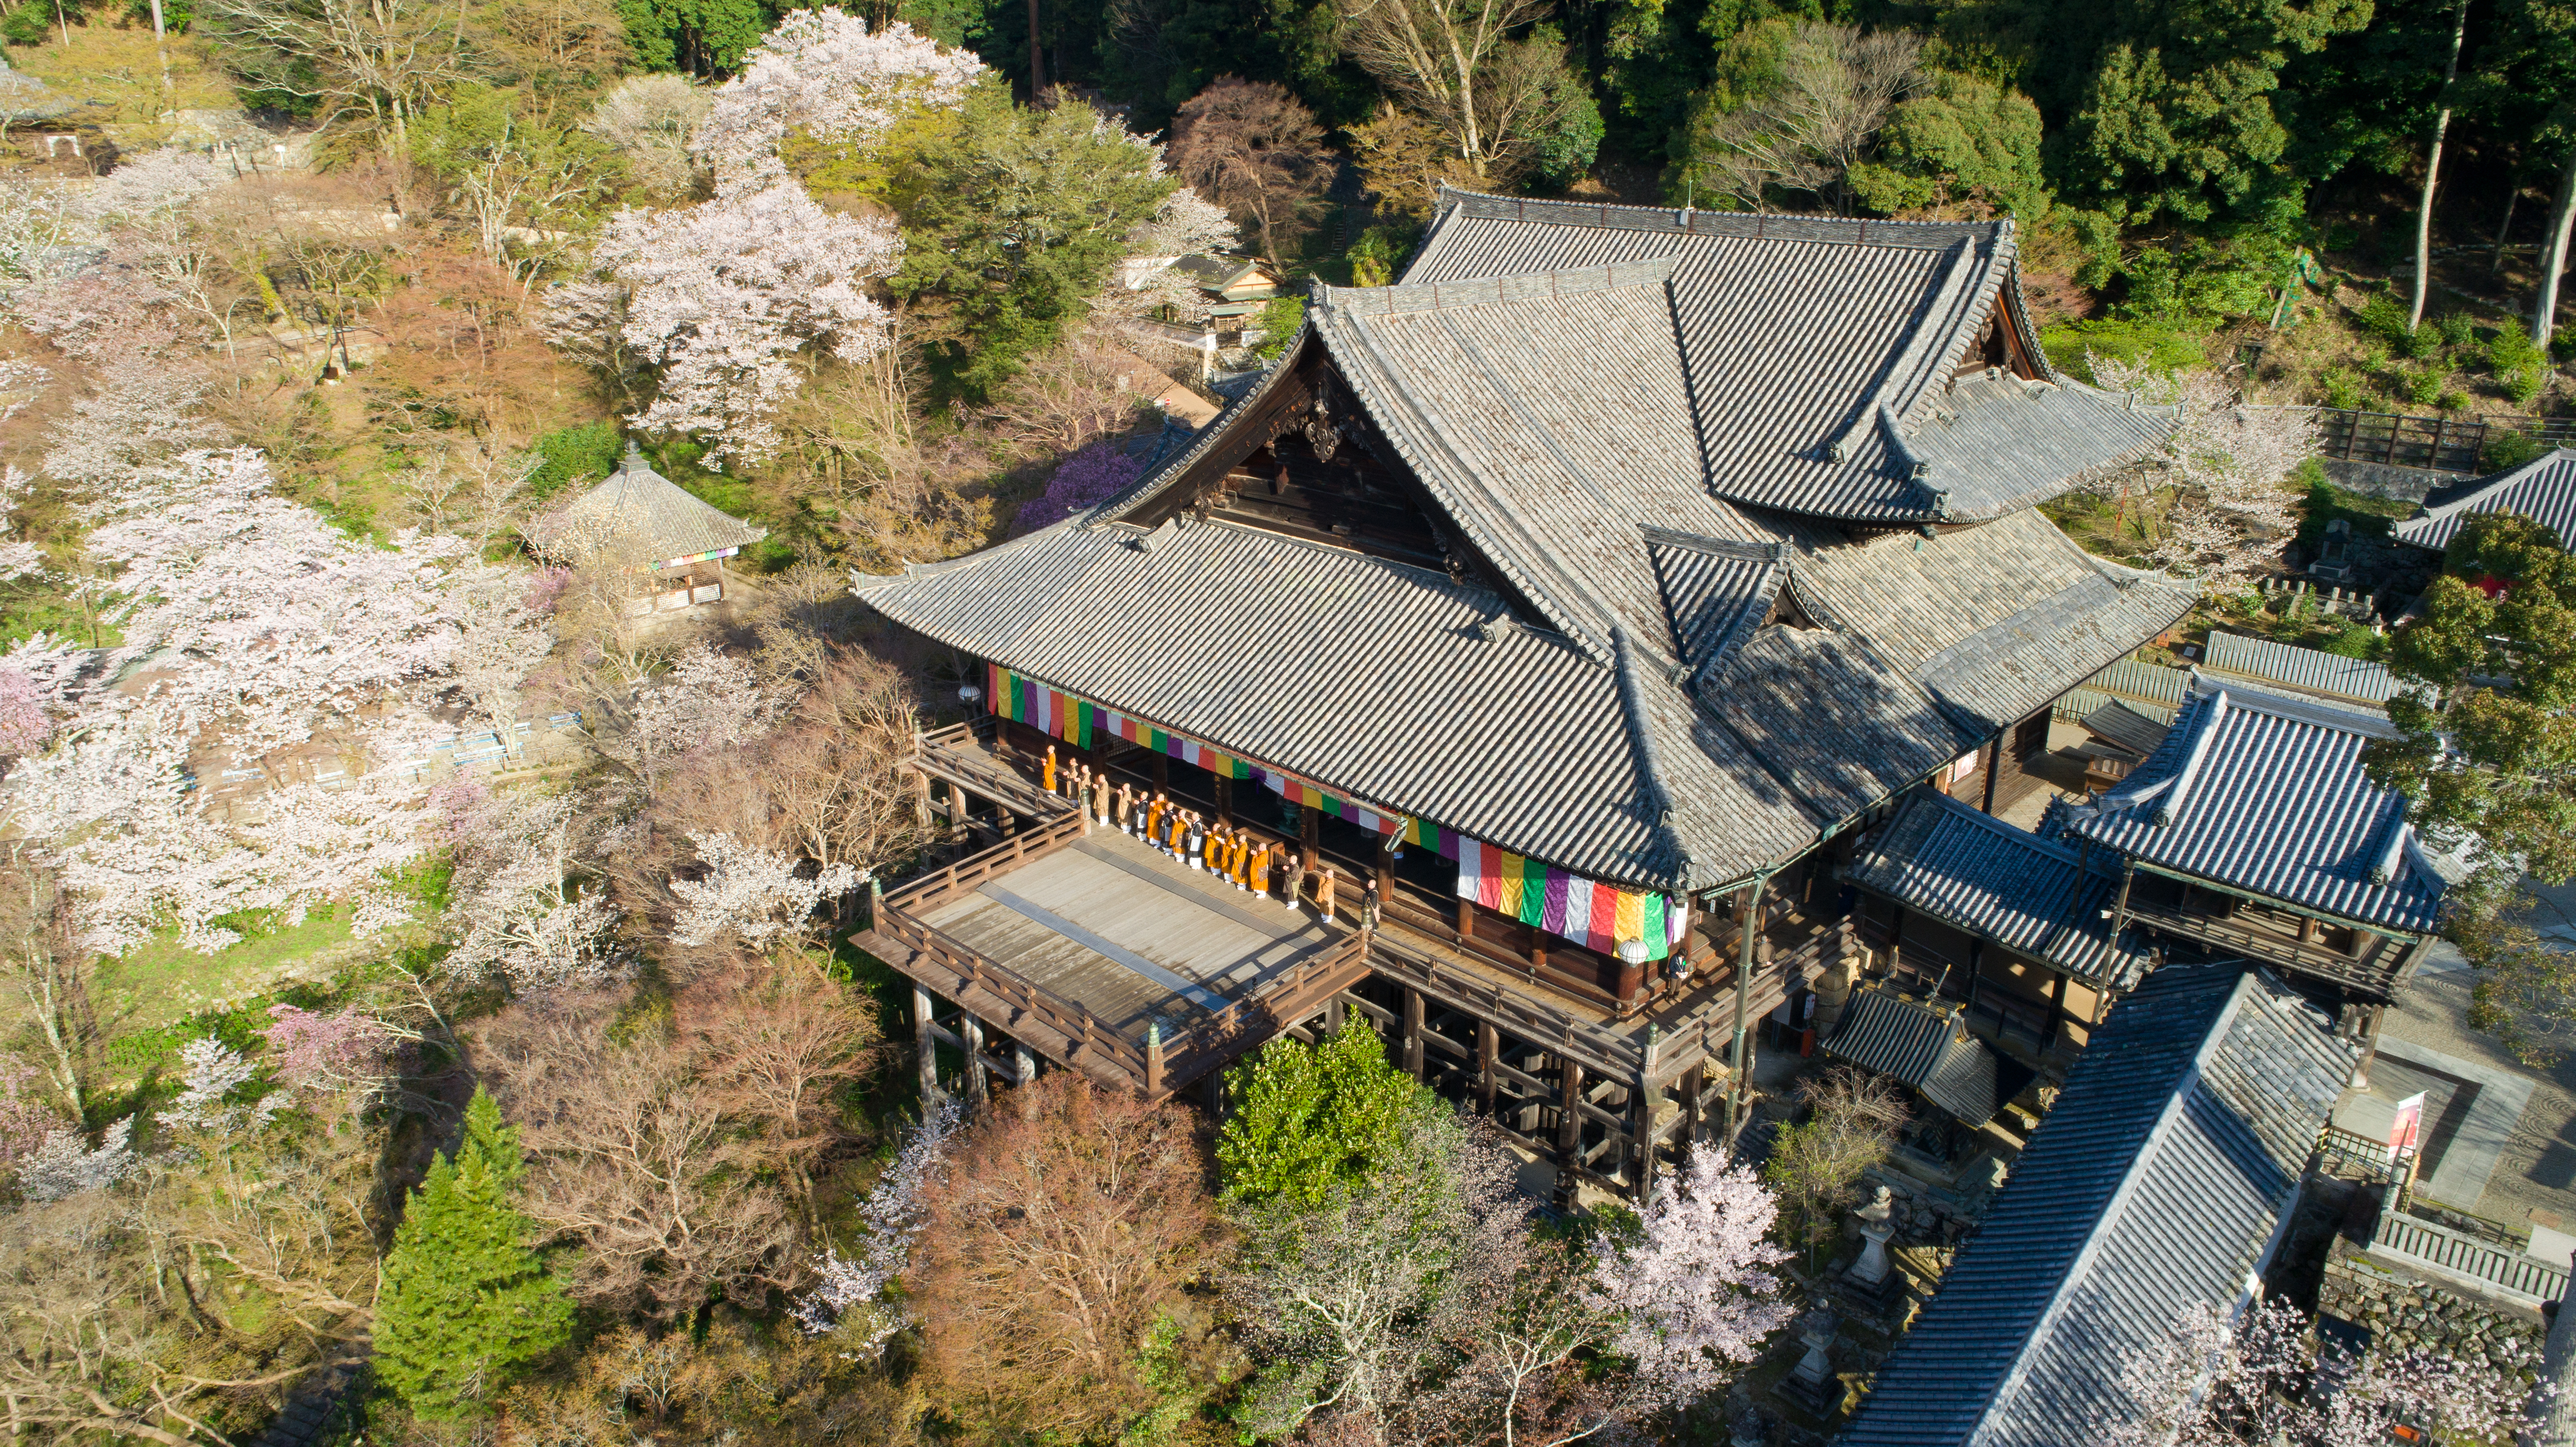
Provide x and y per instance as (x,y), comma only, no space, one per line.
(1569,1129)
(1488,1046)
(1413,1032)
(978,1093)
(926,1045)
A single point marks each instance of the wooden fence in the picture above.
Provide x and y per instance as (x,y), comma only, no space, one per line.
(2444,444)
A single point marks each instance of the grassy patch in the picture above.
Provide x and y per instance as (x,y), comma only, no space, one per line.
(2370,517)
(158,983)
(118,67)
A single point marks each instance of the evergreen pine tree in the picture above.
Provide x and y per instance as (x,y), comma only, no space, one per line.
(465,1302)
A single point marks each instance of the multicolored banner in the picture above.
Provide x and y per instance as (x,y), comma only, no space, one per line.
(1594,915)
(1590,913)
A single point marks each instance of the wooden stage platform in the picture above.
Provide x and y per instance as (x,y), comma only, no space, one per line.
(1132,933)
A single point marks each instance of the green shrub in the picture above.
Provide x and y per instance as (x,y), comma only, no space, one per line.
(2522,385)
(2166,348)
(1281,316)
(2452,401)
(586,453)
(2344,388)
(2424,386)
(2511,449)
(2511,349)
(2459,329)
(2562,347)
(2425,344)
(2384,317)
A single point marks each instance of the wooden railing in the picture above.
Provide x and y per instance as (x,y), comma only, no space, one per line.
(1242,1024)
(2287,952)
(972,969)
(930,890)
(1601,1050)
(2442,443)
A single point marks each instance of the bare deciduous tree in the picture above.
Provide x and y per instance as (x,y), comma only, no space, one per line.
(1253,148)
(385,58)
(628,1153)
(1816,1164)
(1456,63)
(775,1045)
(1835,88)
(1058,1234)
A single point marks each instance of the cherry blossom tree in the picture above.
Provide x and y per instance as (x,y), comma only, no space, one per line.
(851,1293)
(308,1050)
(649,119)
(1185,224)
(2230,464)
(19,557)
(288,624)
(1696,1291)
(749,893)
(502,635)
(524,914)
(709,699)
(825,73)
(2220,1378)
(142,412)
(213,1073)
(66,1166)
(724,296)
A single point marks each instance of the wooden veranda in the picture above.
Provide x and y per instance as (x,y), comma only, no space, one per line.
(1059,938)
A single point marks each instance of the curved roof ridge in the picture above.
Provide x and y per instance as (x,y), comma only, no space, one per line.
(1406,298)
(1686,220)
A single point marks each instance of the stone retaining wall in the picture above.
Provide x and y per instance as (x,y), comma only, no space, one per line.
(2407,1312)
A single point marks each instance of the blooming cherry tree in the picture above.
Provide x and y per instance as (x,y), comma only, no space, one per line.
(213,1072)
(851,1292)
(725,295)
(750,893)
(308,1050)
(65,1166)
(2221,1378)
(825,73)
(709,699)
(522,915)
(1697,1292)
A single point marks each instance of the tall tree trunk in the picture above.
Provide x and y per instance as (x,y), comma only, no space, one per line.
(2512,197)
(1037,63)
(2433,171)
(2553,255)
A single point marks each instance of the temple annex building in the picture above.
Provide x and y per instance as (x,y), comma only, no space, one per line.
(1522,662)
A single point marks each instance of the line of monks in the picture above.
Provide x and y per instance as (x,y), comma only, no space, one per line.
(1248,861)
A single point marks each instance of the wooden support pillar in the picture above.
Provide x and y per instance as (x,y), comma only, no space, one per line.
(927,1045)
(1569,1128)
(1641,1140)
(1224,800)
(1736,1063)
(921,802)
(1334,1013)
(1694,1119)
(1025,1063)
(1311,828)
(978,1088)
(1413,1032)
(1154,1059)
(1994,770)
(1466,919)
(1489,1045)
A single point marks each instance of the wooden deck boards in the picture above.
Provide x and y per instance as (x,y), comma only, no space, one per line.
(1189,943)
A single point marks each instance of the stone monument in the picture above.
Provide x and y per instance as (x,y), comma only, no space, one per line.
(1873,1279)
(1811,1386)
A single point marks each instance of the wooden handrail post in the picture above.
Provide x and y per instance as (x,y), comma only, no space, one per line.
(1153,1057)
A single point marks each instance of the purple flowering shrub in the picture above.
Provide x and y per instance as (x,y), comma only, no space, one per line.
(1086,479)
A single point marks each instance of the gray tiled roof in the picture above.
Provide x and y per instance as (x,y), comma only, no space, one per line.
(2263,793)
(2129,726)
(1924,1046)
(2310,670)
(1230,634)
(2154,1186)
(2543,489)
(1578,481)
(639,509)
(1817,353)
(1977,873)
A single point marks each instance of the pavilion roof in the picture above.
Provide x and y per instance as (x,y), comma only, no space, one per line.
(2263,793)
(2543,489)
(2154,1185)
(640,512)
(1630,676)
(1925,1045)
(1974,872)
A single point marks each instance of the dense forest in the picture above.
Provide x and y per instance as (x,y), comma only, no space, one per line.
(429,1016)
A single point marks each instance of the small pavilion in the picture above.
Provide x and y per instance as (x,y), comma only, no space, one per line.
(649,526)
